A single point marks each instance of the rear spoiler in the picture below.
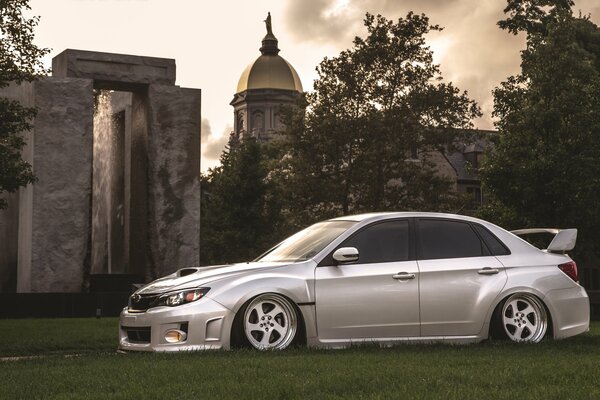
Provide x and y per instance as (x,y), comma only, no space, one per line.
(564,239)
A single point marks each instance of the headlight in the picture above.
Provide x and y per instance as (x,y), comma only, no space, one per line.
(183,297)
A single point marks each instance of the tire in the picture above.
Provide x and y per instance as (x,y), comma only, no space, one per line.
(269,322)
(523,318)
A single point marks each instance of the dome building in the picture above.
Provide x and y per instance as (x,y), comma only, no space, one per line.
(265,85)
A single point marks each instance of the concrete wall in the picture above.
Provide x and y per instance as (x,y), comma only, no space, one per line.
(173,177)
(121,217)
(138,187)
(61,221)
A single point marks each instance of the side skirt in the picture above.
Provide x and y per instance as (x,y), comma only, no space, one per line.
(384,342)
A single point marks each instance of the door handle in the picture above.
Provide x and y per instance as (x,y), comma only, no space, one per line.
(403,276)
(488,271)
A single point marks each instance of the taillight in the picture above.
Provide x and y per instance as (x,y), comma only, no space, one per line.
(570,269)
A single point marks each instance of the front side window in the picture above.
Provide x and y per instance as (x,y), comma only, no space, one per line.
(381,242)
(448,239)
(307,243)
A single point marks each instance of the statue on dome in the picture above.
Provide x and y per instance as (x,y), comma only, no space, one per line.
(268,23)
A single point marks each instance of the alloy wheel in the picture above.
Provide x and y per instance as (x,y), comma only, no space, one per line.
(524,318)
(270,322)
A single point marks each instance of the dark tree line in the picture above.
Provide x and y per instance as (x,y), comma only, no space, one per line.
(364,140)
(241,213)
(545,167)
(366,137)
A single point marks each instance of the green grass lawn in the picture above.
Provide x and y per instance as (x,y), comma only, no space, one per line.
(568,369)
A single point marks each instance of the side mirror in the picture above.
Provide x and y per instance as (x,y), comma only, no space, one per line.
(346,254)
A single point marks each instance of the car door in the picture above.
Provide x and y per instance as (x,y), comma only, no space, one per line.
(376,296)
(459,277)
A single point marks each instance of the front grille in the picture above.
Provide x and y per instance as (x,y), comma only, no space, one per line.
(137,334)
(140,303)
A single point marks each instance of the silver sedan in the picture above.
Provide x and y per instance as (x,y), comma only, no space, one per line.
(384,278)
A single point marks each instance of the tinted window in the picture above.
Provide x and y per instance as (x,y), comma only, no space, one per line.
(382,242)
(448,239)
(492,242)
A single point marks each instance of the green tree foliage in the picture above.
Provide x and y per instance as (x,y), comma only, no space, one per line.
(347,147)
(20,61)
(533,16)
(545,169)
(240,215)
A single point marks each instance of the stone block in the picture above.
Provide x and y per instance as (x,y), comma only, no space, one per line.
(173,178)
(114,71)
(61,220)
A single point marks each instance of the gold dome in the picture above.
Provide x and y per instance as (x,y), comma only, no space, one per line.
(269,71)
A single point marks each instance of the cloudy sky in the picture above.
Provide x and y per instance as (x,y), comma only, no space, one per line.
(213,41)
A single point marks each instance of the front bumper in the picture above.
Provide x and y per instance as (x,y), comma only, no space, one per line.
(208,327)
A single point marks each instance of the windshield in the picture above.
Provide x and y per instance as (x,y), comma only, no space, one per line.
(306,243)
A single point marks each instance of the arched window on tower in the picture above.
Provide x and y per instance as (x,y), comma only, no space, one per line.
(240,123)
(258,123)
(276,120)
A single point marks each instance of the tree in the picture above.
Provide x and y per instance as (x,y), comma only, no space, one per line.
(240,216)
(533,16)
(20,61)
(545,168)
(350,144)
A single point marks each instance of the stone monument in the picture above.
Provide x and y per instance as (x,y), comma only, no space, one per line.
(116,149)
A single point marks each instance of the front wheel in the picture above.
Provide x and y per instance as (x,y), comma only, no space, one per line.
(524,318)
(270,322)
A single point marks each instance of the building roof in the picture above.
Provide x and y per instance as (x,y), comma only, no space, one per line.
(269,71)
(459,159)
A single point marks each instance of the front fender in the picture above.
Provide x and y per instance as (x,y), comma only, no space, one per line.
(236,294)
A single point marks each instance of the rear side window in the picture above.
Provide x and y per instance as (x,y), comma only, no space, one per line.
(448,239)
(493,243)
(382,242)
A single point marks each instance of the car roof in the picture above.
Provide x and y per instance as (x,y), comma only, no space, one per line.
(402,214)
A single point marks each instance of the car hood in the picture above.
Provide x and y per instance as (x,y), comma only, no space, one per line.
(194,277)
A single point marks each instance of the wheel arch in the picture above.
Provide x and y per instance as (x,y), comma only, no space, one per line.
(295,287)
(492,329)
(238,340)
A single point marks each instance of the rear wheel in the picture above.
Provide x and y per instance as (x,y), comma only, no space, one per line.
(270,322)
(524,318)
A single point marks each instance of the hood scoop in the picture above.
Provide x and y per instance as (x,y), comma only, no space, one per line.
(187,271)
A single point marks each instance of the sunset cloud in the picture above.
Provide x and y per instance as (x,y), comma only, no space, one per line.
(475,54)
(212,42)
(212,146)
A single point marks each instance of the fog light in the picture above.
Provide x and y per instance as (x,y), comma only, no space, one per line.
(175,336)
